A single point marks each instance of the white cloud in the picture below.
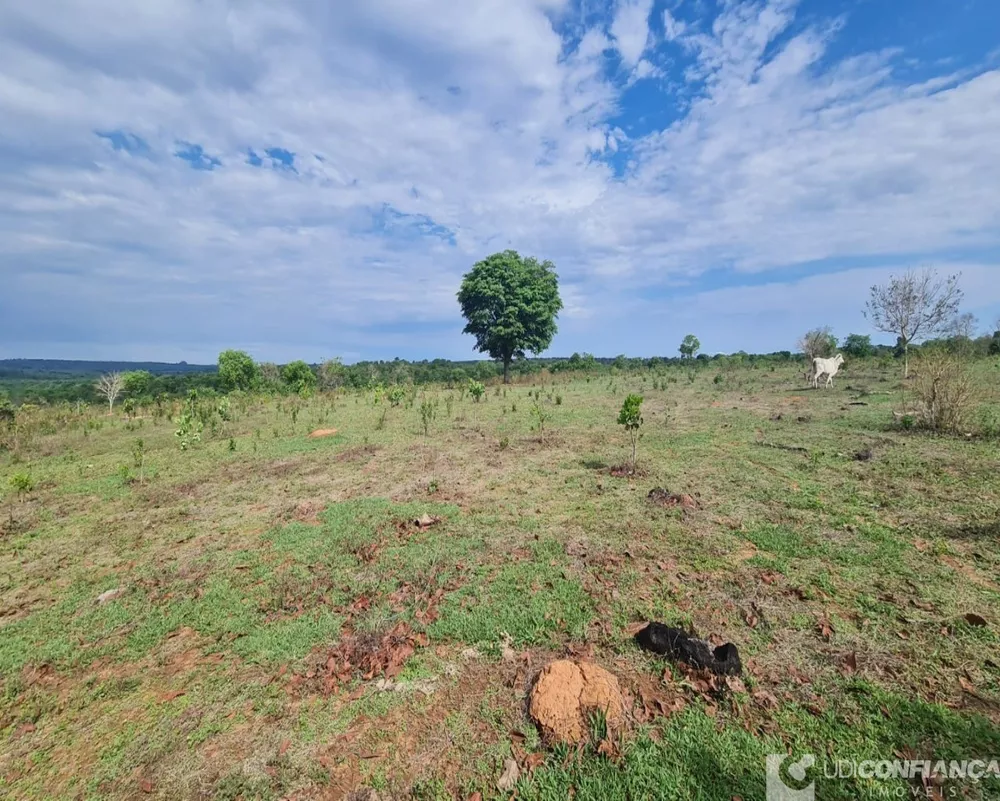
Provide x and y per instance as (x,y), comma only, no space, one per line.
(672,27)
(477,117)
(630,29)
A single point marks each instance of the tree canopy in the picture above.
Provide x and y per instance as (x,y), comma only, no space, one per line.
(237,370)
(690,346)
(859,346)
(510,304)
(137,382)
(299,377)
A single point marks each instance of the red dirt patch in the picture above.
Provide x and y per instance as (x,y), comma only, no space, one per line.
(307,512)
(626,471)
(969,572)
(322,432)
(669,500)
(566,691)
(365,656)
(357,453)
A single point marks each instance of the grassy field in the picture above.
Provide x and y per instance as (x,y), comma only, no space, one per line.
(267,583)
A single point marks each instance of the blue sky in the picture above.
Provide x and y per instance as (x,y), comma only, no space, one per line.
(308,179)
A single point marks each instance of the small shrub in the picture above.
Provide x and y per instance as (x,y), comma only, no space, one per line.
(630,417)
(188,430)
(396,395)
(558,400)
(476,389)
(21,484)
(432,486)
(232,445)
(513,407)
(7,411)
(540,415)
(139,458)
(428,411)
(945,392)
(504,443)
(718,379)
(989,422)
(124,474)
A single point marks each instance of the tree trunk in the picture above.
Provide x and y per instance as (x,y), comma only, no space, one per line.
(506,369)
(906,360)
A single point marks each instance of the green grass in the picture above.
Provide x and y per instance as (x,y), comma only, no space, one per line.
(534,603)
(242,569)
(691,758)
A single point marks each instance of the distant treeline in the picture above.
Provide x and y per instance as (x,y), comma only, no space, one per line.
(54,381)
(63,369)
(51,381)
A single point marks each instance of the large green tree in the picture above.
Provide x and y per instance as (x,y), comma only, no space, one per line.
(136,383)
(689,347)
(859,346)
(299,377)
(238,370)
(511,304)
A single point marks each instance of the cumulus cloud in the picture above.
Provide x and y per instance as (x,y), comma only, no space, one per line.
(672,27)
(630,29)
(306,179)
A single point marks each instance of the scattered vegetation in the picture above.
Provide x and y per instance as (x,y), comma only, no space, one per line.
(223,621)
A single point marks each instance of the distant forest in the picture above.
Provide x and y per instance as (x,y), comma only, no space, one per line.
(55,380)
(58,380)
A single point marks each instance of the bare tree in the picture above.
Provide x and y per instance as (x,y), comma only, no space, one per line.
(963,326)
(110,386)
(820,342)
(914,306)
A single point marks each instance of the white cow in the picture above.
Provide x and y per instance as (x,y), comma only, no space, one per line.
(827,367)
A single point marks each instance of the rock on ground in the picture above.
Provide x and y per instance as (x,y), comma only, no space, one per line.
(567,691)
